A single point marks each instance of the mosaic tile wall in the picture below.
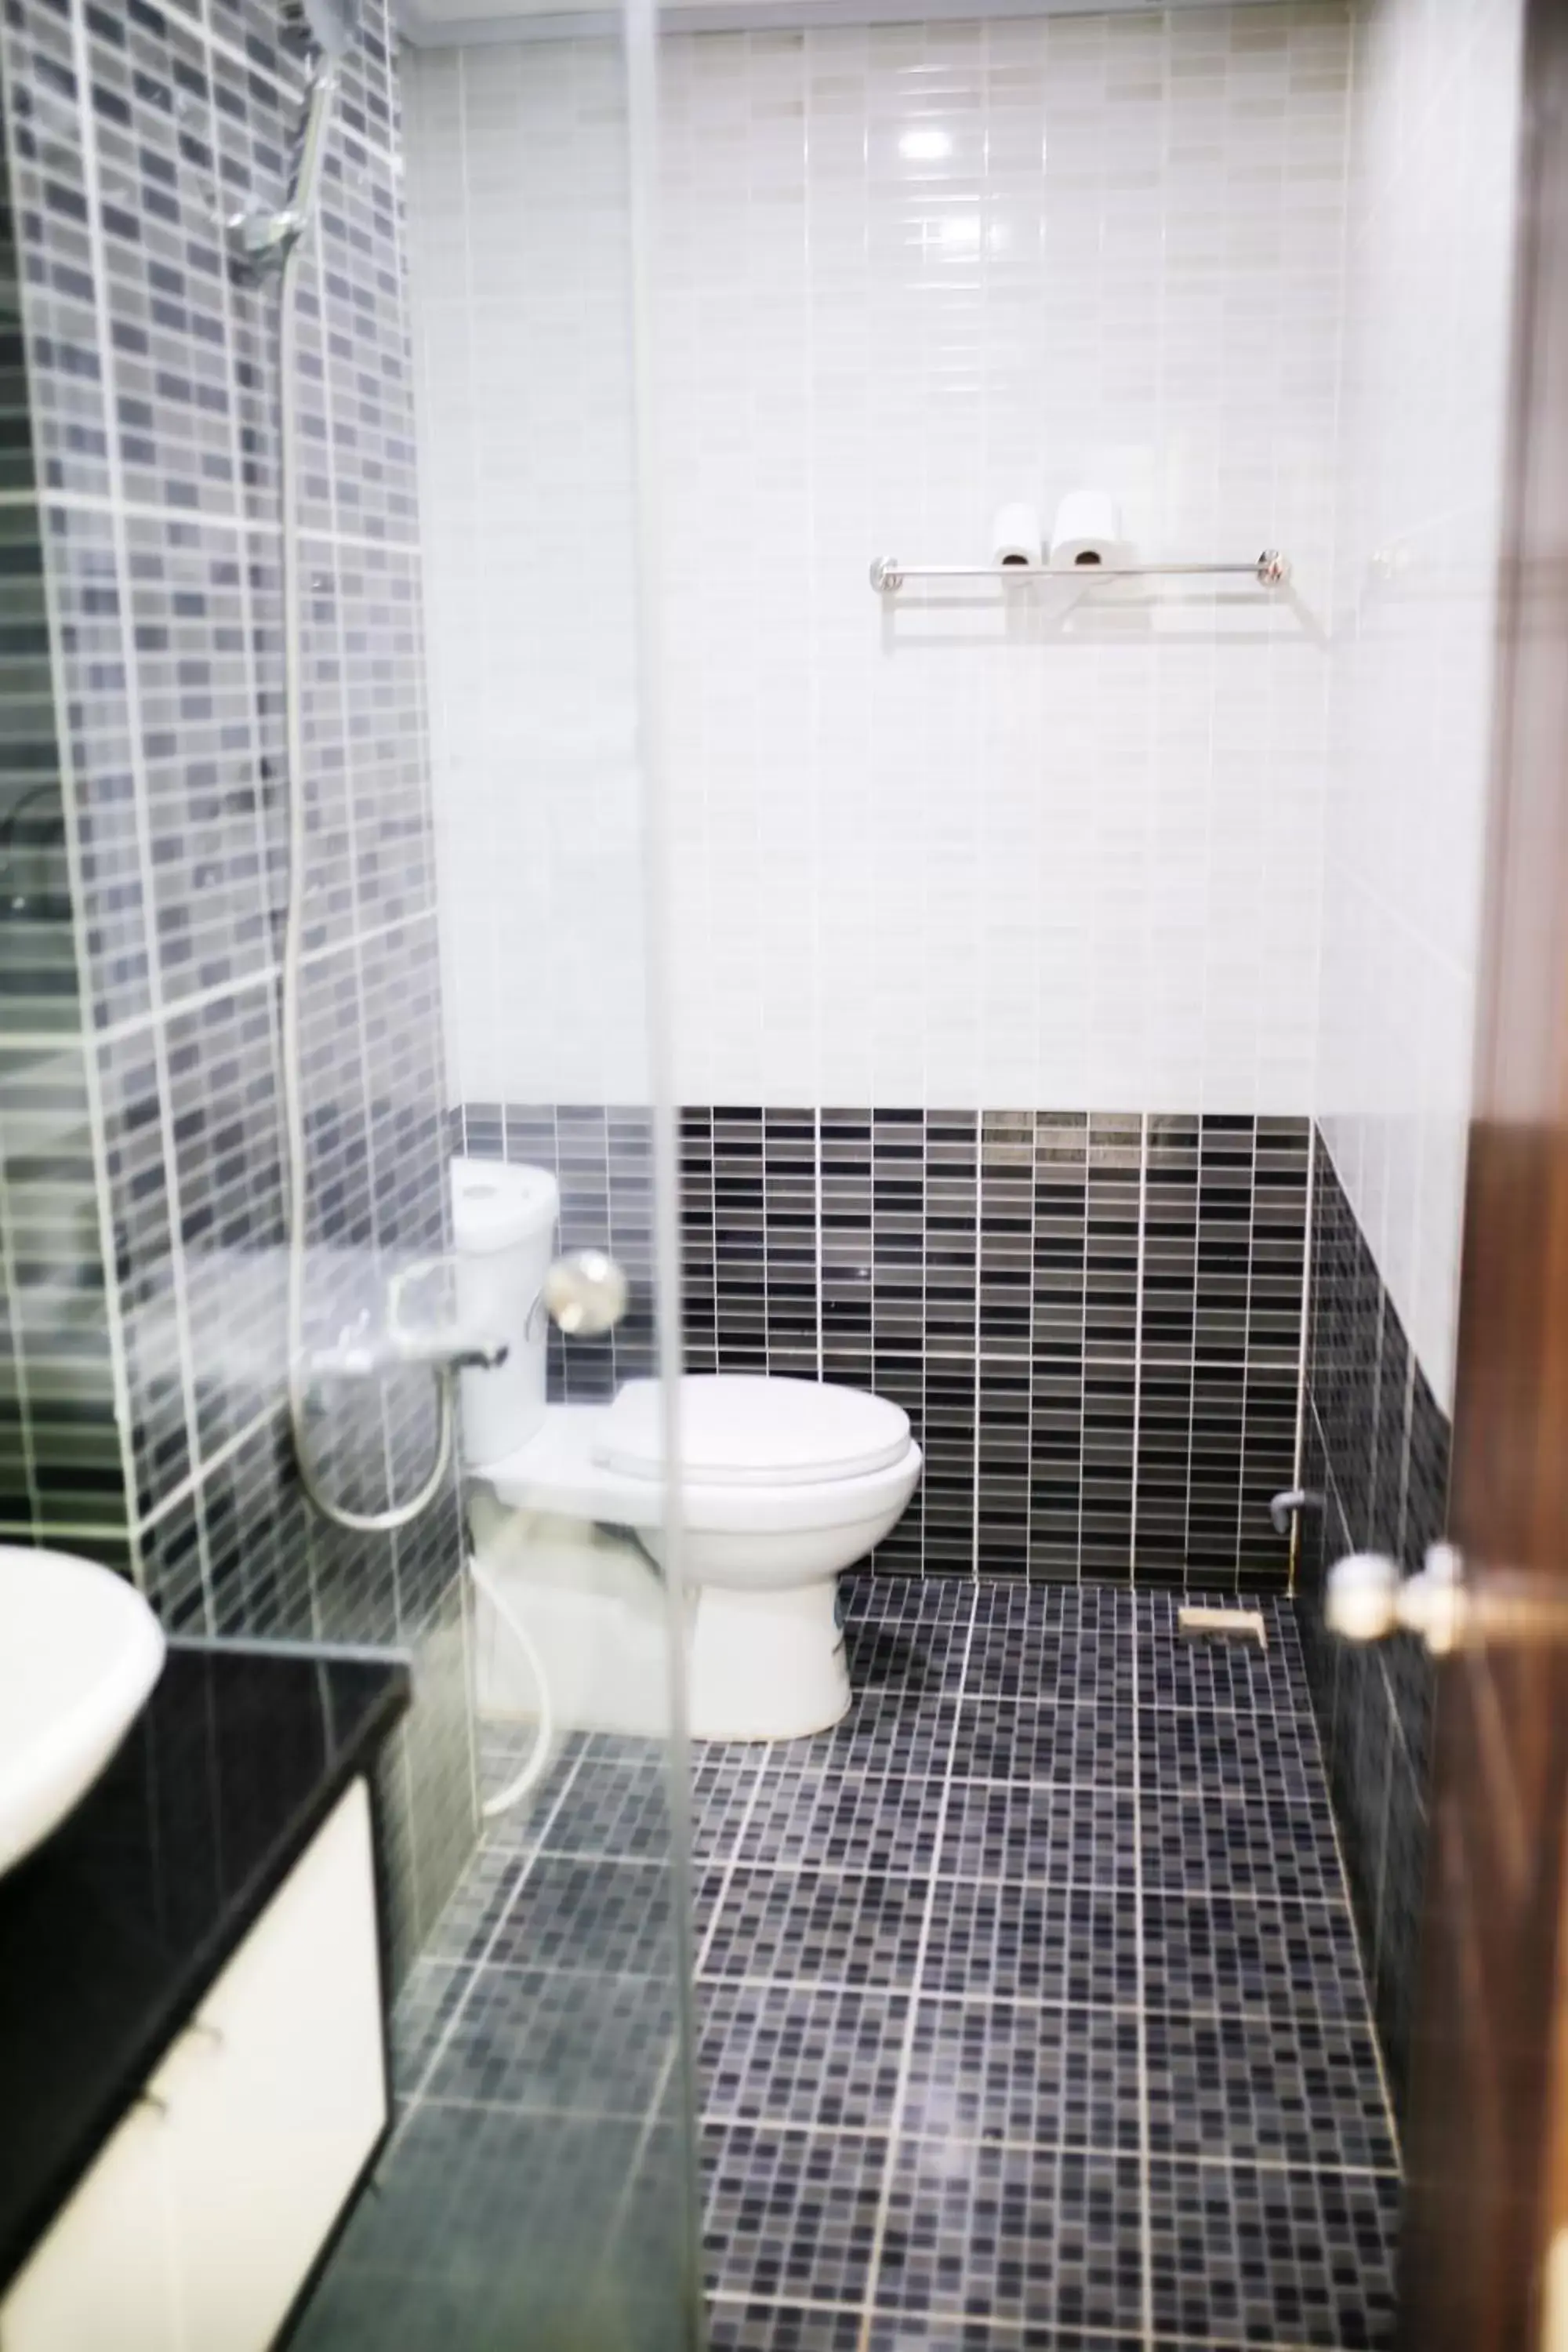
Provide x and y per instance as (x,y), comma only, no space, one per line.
(146,1135)
(1093,1322)
(603,1161)
(60,1450)
(1376,1450)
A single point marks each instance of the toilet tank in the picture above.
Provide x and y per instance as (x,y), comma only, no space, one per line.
(503,1227)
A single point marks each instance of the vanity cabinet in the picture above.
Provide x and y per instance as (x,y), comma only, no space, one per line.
(202,2217)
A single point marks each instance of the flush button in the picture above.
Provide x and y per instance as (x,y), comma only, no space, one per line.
(584,1293)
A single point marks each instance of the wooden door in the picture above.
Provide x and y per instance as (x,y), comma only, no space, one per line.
(1488,2146)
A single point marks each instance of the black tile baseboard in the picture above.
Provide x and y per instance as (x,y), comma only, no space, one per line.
(1093,1320)
(1376,1449)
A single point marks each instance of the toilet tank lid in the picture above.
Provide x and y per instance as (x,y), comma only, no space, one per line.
(753,1429)
(496,1205)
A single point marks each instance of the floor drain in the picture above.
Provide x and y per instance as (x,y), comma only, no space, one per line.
(1230,1624)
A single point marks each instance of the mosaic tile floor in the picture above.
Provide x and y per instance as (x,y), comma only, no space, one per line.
(1028,2009)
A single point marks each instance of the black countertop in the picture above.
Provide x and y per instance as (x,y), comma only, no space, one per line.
(114,1929)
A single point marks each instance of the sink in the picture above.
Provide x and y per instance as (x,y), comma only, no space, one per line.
(80,1650)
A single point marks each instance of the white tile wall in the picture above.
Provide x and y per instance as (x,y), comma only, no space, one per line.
(518,257)
(1435,123)
(938,855)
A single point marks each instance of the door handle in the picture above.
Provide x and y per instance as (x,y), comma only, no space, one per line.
(1367,1599)
(586,1293)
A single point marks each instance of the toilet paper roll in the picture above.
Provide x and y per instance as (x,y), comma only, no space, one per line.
(1015,537)
(1087,531)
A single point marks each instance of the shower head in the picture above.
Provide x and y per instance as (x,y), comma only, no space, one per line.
(323,32)
(327,28)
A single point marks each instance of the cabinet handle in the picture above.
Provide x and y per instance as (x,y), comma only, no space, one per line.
(150,2099)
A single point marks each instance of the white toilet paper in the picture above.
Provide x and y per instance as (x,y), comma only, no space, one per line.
(1016,536)
(1087,531)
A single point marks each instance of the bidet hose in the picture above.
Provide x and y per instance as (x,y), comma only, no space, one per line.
(533,1771)
(295,1198)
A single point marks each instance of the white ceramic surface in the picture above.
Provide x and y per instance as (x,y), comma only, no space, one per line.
(951,858)
(80,1651)
(755,1429)
(761,1559)
(559,1471)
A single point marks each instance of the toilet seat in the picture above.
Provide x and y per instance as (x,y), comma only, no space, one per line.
(560,1470)
(755,1429)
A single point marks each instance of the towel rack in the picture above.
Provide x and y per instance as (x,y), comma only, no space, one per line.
(1270,569)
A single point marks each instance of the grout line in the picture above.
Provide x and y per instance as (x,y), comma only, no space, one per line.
(1359,1958)
(22,1358)
(69,777)
(839,1985)
(1333,1906)
(195,1479)
(474,1966)
(1241,2013)
(855,1874)
(221,992)
(792,2126)
(701,1954)
(140,819)
(975,1338)
(558,2110)
(651,2117)
(816,1113)
(1145,2213)
(200,518)
(1009,2329)
(905,2052)
(1138,1341)
(747,2296)
(1299,1466)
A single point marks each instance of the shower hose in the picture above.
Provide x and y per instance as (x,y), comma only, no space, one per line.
(295,1172)
(295,1200)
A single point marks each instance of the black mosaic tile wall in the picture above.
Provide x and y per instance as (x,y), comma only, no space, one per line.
(1376,1451)
(1093,1322)
(143,653)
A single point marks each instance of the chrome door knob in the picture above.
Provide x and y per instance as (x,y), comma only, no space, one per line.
(1367,1599)
(585,1292)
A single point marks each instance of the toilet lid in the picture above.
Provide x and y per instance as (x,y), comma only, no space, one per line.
(749,1429)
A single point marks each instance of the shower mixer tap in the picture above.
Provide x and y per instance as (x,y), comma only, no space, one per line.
(365,1350)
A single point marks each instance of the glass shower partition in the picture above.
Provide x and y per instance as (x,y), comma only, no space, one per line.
(540,2187)
(473,983)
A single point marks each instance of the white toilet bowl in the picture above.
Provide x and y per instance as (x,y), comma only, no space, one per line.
(784,1483)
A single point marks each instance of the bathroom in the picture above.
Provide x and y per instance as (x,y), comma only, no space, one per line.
(775,856)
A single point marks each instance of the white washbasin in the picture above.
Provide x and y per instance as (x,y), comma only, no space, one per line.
(80,1650)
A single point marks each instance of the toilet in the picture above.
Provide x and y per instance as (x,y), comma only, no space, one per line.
(784,1483)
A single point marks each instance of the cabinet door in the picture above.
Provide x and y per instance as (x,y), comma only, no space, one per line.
(276,2096)
(105,2273)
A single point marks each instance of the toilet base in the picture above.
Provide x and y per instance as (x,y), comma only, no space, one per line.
(766,1665)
